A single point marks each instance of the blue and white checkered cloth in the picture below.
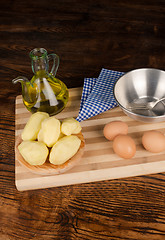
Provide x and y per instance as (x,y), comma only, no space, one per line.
(97,95)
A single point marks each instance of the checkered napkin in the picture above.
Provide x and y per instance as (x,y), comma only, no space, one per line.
(97,95)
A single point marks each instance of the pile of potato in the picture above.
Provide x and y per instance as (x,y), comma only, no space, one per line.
(46,137)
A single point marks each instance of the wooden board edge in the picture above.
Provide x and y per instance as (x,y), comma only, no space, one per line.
(102,175)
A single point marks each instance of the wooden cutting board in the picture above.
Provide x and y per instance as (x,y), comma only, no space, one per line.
(99,161)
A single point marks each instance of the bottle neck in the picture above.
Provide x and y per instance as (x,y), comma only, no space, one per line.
(39,59)
(40,65)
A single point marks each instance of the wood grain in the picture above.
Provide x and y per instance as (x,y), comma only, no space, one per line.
(87,36)
(99,162)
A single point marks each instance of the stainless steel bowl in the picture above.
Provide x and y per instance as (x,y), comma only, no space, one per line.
(138,88)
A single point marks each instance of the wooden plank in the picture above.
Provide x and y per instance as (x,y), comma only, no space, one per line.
(99,161)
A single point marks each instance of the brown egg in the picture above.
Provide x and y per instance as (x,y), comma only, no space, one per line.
(114,128)
(124,146)
(153,141)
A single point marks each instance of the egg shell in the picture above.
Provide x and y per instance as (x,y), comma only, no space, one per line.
(124,146)
(114,128)
(153,141)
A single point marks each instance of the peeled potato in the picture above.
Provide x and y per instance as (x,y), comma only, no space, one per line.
(33,125)
(35,153)
(64,149)
(40,136)
(61,135)
(50,131)
(70,126)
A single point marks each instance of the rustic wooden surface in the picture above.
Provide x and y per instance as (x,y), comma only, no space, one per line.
(98,162)
(87,35)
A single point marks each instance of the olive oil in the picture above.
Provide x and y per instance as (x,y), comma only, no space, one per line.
(46,94)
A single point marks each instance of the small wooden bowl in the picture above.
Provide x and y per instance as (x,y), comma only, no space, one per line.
(48,168)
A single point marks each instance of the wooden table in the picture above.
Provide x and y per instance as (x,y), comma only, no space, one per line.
(88,36)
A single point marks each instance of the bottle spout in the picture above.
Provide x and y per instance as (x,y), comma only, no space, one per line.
(20,79)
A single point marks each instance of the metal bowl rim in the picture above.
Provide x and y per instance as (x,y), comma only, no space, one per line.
(124,108)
